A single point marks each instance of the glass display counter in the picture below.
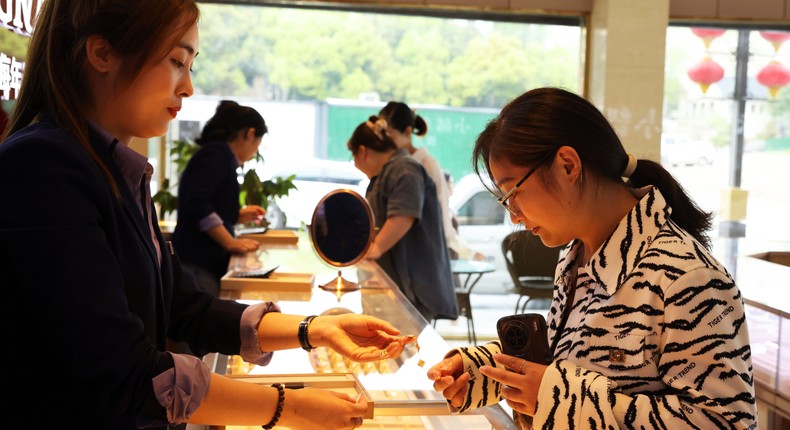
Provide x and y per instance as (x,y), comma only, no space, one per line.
(764,284)
(402,394)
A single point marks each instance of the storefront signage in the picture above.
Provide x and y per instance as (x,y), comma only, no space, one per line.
(18,15)
(10,76)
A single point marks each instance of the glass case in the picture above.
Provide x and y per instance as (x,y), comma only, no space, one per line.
(763,282)
(403,395)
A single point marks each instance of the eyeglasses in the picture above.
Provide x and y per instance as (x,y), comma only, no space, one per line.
(504,199)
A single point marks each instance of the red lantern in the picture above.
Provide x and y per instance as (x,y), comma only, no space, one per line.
(707,34)
(706,72)
(775,37)
(774,76)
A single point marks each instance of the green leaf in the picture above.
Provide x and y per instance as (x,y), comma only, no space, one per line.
(166,200)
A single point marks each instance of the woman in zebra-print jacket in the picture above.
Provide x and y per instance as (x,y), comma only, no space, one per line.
(648,330)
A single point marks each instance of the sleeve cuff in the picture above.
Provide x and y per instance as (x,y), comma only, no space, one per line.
(250,350)
(181,389)
(210,221)
(481,390)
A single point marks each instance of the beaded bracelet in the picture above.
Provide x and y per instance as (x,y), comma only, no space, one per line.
(279,410)
(303,332)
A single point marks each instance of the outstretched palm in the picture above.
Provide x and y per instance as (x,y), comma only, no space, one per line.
(362,338)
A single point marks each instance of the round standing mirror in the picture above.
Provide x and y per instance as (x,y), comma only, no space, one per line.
(342,231)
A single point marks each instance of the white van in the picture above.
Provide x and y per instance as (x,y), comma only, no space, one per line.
(482,224)
(314,179)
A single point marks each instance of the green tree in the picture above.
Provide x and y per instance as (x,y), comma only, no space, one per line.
(297,54)
(14,44)
(491,72)
(421,57)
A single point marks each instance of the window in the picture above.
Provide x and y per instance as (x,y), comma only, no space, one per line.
(481,209)
(315,74)
(700,122)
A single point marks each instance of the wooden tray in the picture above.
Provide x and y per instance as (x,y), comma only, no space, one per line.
(343,382)
(277,281)
(274,237)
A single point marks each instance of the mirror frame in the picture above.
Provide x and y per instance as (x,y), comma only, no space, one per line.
(371,233)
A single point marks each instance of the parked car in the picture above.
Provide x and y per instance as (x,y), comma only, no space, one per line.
(314,179)
(680,151)
(483,223)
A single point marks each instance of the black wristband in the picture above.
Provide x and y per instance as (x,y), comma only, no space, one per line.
(304,327)
(279,410)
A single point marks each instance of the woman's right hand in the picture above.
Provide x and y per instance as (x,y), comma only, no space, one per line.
(311,408)
(242,246)
(251,213)
(450,379)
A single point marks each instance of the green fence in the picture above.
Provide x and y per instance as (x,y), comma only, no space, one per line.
(777,144)
(450,138)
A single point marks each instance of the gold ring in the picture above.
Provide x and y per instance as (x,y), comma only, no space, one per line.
(521,368)
(382,353)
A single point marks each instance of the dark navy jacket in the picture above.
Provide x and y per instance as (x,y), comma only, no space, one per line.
(88,309)
(208,184)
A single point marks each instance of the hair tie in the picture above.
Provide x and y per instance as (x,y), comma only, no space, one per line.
(378,127)
(381,125)
(630,166)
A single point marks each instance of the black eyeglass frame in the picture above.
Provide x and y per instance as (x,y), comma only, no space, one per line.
(504,199)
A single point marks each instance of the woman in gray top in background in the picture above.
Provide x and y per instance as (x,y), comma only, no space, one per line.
(410,243)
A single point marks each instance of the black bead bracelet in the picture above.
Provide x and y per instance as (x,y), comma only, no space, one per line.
(279,410)
(303,332)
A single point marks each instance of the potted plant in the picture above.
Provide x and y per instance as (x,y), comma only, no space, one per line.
(253,190)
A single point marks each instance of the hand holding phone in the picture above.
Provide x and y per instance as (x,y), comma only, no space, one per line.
(525,336)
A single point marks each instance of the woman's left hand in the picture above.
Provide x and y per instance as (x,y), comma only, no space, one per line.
(519,386)
(361,338)
(251,213)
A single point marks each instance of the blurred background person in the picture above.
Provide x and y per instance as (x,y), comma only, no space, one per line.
(208,194)
(410,243)
(402,122)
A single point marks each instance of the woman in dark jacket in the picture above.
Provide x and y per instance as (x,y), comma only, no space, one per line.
(208,194)
(95,289)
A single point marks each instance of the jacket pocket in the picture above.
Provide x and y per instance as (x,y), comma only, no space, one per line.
(617,351)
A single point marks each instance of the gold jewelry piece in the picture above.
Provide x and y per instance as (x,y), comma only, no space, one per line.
(521,368)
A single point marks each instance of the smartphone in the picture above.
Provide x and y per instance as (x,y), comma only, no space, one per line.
(259,273)
(525,336)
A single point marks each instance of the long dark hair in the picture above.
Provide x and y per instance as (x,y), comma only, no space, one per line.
(400,116)
(542,120)
(230,118)
(138,30)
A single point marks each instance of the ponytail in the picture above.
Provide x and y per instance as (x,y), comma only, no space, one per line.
(400,116)
(230,118)
(685,212)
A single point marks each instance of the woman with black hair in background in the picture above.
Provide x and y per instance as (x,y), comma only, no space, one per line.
(208,194)
(402,123)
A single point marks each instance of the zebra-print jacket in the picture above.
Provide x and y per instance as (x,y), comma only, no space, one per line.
(656,337)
